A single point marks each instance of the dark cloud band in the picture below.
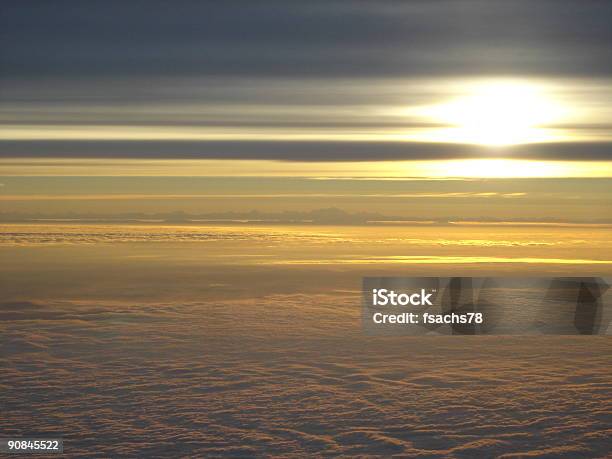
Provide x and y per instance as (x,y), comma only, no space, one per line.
(305,39)
(301,150)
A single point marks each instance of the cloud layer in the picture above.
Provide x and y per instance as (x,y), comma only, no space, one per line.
(291,375)
(334,38)
(319,81)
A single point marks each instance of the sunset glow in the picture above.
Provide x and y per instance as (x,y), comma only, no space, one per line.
(498,113)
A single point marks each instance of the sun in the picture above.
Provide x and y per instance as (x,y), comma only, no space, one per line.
(498,114)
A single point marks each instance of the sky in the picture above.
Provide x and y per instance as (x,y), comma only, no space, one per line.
(303,91)
(191,193)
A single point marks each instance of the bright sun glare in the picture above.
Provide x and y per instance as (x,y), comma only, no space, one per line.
(498,113)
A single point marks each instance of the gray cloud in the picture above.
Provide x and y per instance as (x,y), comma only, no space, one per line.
(317,67)
(332,38)
(300,150)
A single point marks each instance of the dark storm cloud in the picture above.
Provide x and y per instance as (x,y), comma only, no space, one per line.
(323,39)
(300,150)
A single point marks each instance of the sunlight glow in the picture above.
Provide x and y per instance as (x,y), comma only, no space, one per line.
(420,169)
(498,113)
(497,168)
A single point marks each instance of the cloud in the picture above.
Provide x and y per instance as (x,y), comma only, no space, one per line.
(335,38)
(292,375)
(299,150)
(115,76)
